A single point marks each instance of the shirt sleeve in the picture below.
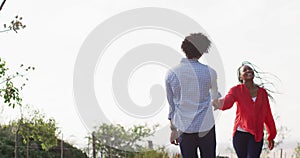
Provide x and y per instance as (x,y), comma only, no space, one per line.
(170,97)
(228,101)
(214,85)
(269,121)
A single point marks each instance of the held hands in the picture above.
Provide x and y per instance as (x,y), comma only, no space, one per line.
(271,144)
(216,104)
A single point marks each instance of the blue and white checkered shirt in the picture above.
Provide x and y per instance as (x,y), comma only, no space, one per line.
(190,88)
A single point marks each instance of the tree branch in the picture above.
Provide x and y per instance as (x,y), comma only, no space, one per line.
(2,4)
(4,30)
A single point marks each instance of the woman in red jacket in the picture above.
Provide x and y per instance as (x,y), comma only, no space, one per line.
(253,112)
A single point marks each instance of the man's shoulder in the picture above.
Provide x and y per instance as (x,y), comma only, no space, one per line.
(205,66)
(170,74)
(176,68)
(211,70)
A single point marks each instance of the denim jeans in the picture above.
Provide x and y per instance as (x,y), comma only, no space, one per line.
(245,145)
(205,141)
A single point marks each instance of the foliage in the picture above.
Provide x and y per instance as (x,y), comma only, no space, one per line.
(281,135)
(6,145)
(15,25)
(297,151)
(282,132)
(36,127)
(158,153)
(35,148)
(9,90)
(116,141)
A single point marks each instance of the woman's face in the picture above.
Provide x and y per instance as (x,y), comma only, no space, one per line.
(246,73)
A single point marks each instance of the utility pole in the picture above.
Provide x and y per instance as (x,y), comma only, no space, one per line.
(62,146)
(284,154)
(17,139)
(94,145)
(16,144)
(150,144)
(88,150)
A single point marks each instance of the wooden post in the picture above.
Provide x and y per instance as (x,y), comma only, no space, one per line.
(62,146)
(16,141)
(94,145)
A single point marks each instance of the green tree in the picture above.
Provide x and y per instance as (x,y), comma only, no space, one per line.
(152,153)
(6,143)
(282,132)
(35,148)
(15,24)
(297,151)
(116,141)
(9,90)
(35,127)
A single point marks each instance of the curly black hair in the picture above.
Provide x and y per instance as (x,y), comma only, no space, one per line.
(195,45)
(262,79)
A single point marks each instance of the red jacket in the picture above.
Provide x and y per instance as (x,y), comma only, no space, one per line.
(250,115)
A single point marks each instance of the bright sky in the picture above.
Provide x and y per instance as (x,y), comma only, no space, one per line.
(261,31)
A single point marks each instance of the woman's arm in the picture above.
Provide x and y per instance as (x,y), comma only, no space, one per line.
(269,121)
(226,102)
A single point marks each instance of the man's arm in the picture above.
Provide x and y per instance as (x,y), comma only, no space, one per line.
(214,85)
(174,132)
(170,101)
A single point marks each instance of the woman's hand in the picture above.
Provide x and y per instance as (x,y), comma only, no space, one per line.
(174,137)
(271,144)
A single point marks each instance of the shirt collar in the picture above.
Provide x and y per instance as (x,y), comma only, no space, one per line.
(186,60)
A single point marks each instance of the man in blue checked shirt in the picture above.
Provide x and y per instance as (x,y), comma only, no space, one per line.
(190,88)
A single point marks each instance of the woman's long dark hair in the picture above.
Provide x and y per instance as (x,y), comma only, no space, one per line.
(263,79)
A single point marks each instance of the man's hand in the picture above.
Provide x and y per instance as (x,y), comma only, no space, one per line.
(174,137)
(216,104)
(271,144)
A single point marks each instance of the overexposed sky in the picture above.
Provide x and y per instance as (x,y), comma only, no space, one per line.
(264,32)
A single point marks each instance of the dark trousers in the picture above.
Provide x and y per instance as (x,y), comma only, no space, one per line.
(205,141)
(245,145)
